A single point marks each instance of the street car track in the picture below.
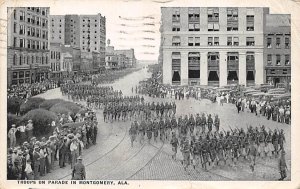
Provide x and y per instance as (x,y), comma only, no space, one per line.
(197,170)
(108,152)
(124,162)
(159,150)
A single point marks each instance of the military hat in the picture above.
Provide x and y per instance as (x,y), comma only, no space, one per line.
(79,158)
(30,121)
(13,125)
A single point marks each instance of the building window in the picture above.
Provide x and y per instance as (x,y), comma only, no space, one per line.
(176,15)
(176,26)
(176,67)
(194,65)
(250,41)
(22,15)
(287,42)
(229,41)
(197,41)
(213,14)
(269,59)
(269,42)
(278,60)
(15,27)
(20,59)
(194,19)
(232,19)
(216,41)
(22,45)
(175,41)
(15,14)
(190,41)
(250,22)
(15,60)
(210,41)
(213,27)
(287,59)
(278,41)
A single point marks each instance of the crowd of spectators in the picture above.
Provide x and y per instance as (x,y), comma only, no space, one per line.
(30,157)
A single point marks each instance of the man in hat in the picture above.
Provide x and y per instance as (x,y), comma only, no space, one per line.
(12,136)
(29,129)
(36,162)
(78,172)
(282,166)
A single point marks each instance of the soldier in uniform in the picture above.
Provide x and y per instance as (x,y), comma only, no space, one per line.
(168,127)
(161,129)
(217,123)
(209,123)
(78,172)
(196,152)
(174,143)
(186,153)
(275,141)
(281,139)
(173,124)
(142,127)
(203,122)
(269,146)
(133,132)
(192,124)
(155,130)
(282,166)
(149,130)
(198,123)
(252,152)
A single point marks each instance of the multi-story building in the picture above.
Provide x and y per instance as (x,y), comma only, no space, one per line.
(277,53)
(129,53)
(213,45)
(27,45)
(87,32)
(56,50)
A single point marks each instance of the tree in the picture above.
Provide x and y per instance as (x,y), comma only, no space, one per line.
(13,105)
(41,120)
(31,104)
(47,104)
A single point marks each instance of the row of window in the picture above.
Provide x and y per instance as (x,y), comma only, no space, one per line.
(212,19)
(30,44)
(31,31)
(19,60)
(278,43)
(55,66)
(31,19)
(214,57)
(54,55)
(278,59)
(21,74)
(38,10)
(212,41)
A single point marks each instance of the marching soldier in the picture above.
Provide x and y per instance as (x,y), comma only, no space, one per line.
(174,143)
(209,123)
(217,123)
(133,132)
(78,172)
(198,123)
(149,130)
(161,129)
(203,122)
(186,153)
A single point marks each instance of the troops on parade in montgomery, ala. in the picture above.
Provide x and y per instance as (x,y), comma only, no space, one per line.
(203,144)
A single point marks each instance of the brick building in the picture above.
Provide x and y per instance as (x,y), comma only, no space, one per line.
(27,45)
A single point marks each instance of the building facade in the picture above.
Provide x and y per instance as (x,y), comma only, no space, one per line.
(129,53)
(27,45)
(214,46)
(87,32)
(277,53)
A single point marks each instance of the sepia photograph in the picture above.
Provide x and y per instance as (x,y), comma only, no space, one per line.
(173,92)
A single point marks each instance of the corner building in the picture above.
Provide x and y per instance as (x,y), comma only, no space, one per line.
(27,45)
(214,46)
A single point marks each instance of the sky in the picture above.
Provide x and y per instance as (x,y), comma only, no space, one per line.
(135,23)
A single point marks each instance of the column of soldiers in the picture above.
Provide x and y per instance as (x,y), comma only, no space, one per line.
(201,141)
(136,108)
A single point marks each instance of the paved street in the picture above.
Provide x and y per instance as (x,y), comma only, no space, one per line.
(113,157)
